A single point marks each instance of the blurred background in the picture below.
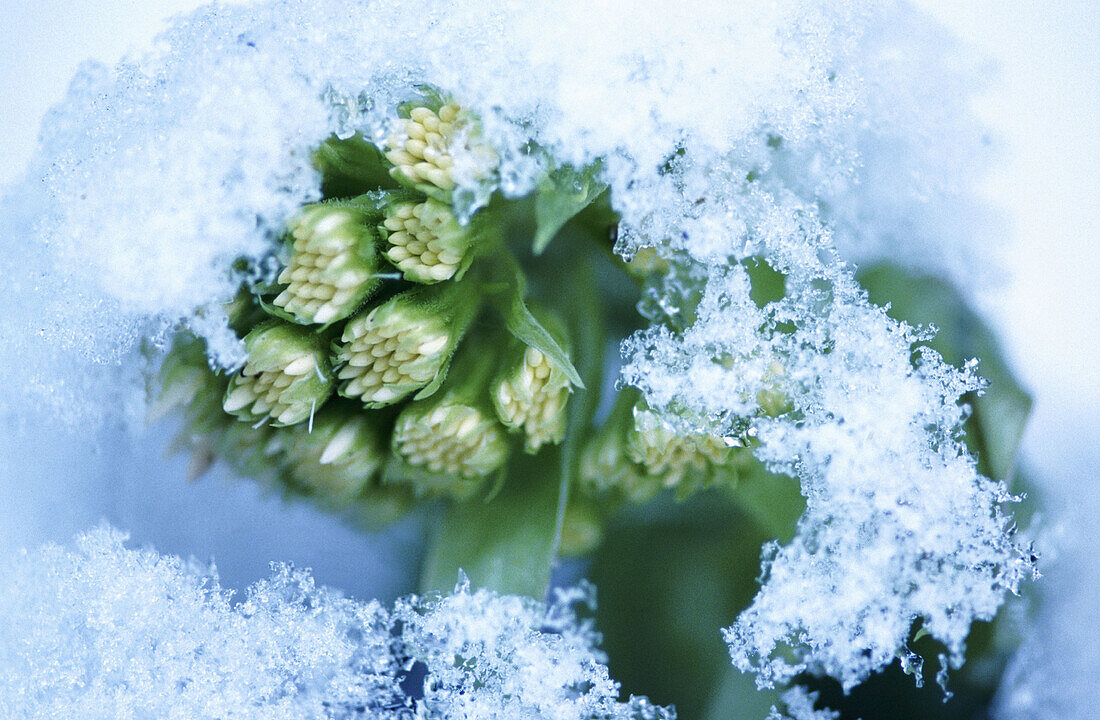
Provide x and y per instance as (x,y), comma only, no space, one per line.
(1040,103)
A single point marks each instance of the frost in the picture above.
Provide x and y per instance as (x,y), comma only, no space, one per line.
(806,135)
(102,631)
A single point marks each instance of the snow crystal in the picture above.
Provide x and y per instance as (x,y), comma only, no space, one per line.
(106,632)
(490,656)
(898,524)
(801,134)
(800,705)
(102,631)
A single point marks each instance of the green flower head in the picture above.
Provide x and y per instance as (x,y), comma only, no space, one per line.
(435,144)
(404,344)
(286,378)
(333,263)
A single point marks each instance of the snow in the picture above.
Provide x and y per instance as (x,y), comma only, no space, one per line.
(813,135)
(101,631)
(104,631)
(800,705)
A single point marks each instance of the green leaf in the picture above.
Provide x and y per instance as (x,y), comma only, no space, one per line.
(521,323)
(562,194)
(507,544)
(278,312)
(437,382)
(518,319)
(996,426)
(350,167)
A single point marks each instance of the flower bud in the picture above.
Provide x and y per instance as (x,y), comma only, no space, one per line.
(333,263)
(287,376)
(189,384)
(581,527)
(606,467)
(253,452)
(185,379)
(339,456)
(672,455)
(403,344)
(450,438)
(434,146)
(426,242)
(455,432)
(531,391)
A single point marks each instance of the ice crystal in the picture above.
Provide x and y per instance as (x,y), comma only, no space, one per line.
(503,656)
(102,631)
(802,135)
(105,632)
(800,705)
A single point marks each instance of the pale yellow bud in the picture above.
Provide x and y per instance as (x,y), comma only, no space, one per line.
(666,452)
(425,146)
(532,398)
(333,264)
(286,379)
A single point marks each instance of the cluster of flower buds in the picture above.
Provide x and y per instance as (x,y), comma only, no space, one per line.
(637,453)
(363,377)
(399,354)
(337,459)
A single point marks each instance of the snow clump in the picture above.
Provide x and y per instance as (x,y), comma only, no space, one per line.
(101,631)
